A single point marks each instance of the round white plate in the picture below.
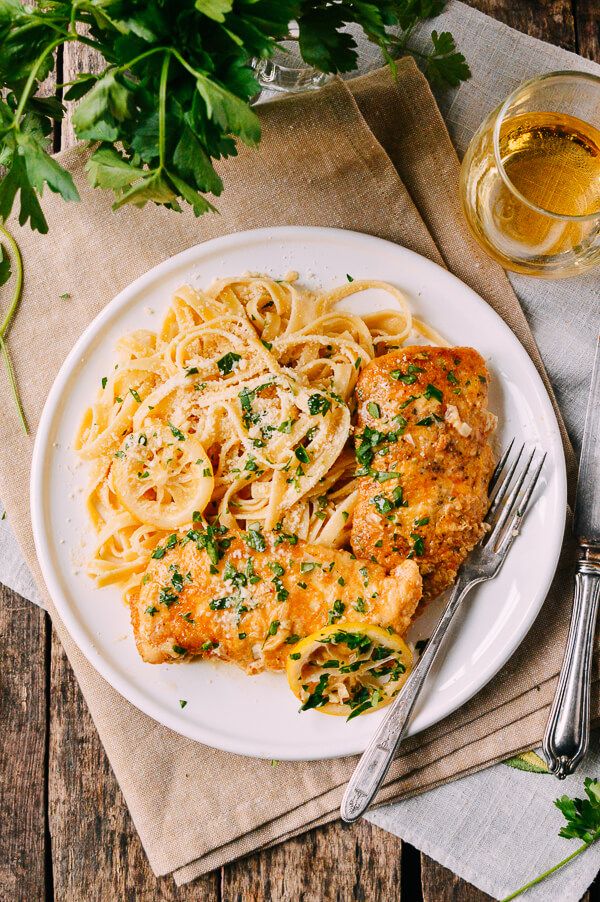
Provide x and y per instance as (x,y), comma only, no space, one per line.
(258,715)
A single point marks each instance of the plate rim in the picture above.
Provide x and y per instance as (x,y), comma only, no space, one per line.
(125,688)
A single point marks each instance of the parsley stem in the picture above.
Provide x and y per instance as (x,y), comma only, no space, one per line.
(162,110)
(18,263)
(142,56)
(13,384)
(33,74)
(552,870)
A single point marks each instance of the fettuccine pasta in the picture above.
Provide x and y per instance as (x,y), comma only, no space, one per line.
(240,408)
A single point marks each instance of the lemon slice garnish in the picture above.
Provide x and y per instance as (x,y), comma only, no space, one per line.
(348,669)
(163,476)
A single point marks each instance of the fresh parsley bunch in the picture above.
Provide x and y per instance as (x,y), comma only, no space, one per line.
(175,93)
(173,97)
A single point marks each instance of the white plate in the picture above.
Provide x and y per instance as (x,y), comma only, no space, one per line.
(258,715)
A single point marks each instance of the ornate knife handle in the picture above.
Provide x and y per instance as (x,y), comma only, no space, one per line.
(568,729)
(379,754)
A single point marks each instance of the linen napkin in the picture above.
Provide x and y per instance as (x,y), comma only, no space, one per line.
(319,164)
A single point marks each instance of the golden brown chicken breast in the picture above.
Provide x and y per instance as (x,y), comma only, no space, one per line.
(423,450)
(248,598)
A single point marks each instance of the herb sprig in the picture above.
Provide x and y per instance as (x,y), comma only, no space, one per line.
(583,822)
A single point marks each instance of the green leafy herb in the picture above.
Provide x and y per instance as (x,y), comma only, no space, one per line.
(409,377)
(318,404)
(178,434)
(432,392)
(227,362)
(374,409)
(583,822)
(255,539)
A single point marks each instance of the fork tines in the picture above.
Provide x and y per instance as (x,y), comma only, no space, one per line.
(511,488)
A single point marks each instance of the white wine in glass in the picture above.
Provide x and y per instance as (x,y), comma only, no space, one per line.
(530,180)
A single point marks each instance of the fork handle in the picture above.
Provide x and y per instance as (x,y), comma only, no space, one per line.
(379,754)
(568,730)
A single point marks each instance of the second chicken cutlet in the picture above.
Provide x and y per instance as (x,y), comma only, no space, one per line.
(250,597)
(423,450)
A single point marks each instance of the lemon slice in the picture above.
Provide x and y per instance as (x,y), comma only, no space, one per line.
(348,669)
(162,476)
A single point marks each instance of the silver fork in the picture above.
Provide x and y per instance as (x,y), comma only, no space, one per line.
(511,488)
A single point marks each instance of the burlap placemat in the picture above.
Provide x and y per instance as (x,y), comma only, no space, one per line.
(320,163)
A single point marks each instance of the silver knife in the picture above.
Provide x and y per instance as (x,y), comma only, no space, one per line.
(568,729)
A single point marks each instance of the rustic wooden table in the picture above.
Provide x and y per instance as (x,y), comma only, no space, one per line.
(67,834)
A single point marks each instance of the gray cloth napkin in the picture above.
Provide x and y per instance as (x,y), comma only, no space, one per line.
(496,828)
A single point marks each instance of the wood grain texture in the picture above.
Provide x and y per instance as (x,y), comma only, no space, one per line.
(332,864)
(550,20)
(587,28)
(96,852)
(23,703)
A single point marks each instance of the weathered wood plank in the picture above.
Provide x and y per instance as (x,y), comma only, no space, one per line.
(587,27)
(441,885)
(96,852)
(77,58)
(550,21)
(23,702)
(331,864)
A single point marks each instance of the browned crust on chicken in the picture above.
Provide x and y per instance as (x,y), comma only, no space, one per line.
(422,411)
(290,589)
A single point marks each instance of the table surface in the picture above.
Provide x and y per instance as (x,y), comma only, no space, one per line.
(67,834)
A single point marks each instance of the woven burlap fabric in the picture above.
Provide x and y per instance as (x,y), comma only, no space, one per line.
(320,163)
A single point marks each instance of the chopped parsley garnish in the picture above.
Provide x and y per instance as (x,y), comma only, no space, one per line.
(227,362)
(255,539)
(318,404)
(482,379)
(221,604)
(302,454)
(151,610)
(308,566)
(273,627)
(295,656)
(409,377)
(179,650)
(182,703)
(177,432)
(208,646)
(281,591)
(267,344)
(192,371)
(276,568)
(418,548)
(374,409)
(421,521)
(360,606)
(350,278)
(242,635)
(187,617)
(291,640)
(337,611)
(104,381)
(167,596)
(432,392)
(135,395)
(365,576)
(451,377)
(426,421)
(316,698)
